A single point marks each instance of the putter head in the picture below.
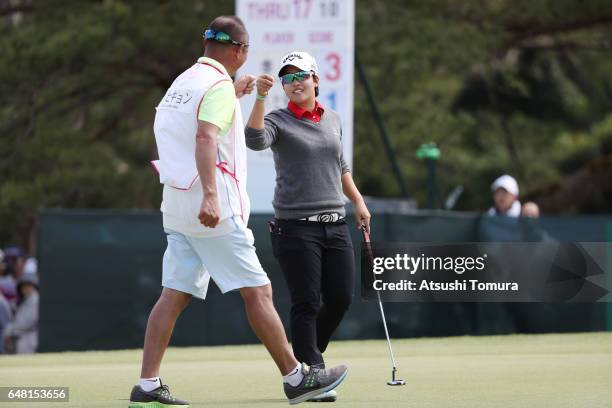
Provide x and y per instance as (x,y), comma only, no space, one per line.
(395,381)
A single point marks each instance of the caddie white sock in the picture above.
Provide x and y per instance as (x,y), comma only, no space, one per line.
(149,384)
(294,378)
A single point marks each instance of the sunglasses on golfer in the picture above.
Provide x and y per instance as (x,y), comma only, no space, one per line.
(297,76)
(221,37)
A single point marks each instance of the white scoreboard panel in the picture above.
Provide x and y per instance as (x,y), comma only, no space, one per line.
(324,29)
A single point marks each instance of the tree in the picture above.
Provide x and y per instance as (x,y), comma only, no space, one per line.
(80,81)
(500,85)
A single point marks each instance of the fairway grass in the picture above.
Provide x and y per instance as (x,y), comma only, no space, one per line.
(556,370)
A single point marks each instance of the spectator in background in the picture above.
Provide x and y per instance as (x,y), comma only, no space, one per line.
(505,197)
(15,258)
(8,286)
(5,307)
(21,334)
(6,315)
(12,268)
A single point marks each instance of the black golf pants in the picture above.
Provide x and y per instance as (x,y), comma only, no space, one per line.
(318,262)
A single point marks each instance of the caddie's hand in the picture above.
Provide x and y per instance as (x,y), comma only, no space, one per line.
(264,83)
(244,85)
(362,215)
(209,211)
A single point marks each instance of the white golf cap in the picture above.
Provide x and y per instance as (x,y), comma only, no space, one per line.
(301,60)
(506,182)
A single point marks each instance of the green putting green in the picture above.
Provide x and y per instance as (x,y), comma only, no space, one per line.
(553,370)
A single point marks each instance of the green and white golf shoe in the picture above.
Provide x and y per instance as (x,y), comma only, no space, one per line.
(158,398)
(316,381)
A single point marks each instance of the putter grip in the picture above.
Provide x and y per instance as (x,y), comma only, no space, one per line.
(364,232)
(366,240)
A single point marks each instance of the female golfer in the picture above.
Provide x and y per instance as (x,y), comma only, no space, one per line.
(310,237)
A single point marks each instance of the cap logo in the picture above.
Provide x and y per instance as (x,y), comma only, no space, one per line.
(291,57)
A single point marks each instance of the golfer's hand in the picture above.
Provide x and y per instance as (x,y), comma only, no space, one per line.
(362,215)
(264,83)
(209,211)
(244,85)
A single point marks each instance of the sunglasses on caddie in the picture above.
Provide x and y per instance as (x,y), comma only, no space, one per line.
(297,76)
(221,37)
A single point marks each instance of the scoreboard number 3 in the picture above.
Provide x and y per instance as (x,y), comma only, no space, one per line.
(334,62)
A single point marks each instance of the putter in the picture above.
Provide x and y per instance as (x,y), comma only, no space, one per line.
(394,380)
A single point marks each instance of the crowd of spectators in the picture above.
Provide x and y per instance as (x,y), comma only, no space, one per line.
(18,302)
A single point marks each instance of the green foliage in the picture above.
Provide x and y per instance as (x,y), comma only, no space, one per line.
(499,85)
(79,82)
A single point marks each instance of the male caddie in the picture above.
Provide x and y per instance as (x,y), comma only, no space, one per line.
(202,164)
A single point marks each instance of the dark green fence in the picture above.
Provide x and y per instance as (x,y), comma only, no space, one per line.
(101,271)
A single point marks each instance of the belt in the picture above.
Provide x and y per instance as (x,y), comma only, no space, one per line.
(324,218)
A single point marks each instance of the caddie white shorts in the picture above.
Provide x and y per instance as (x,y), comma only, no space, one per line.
(230,259)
